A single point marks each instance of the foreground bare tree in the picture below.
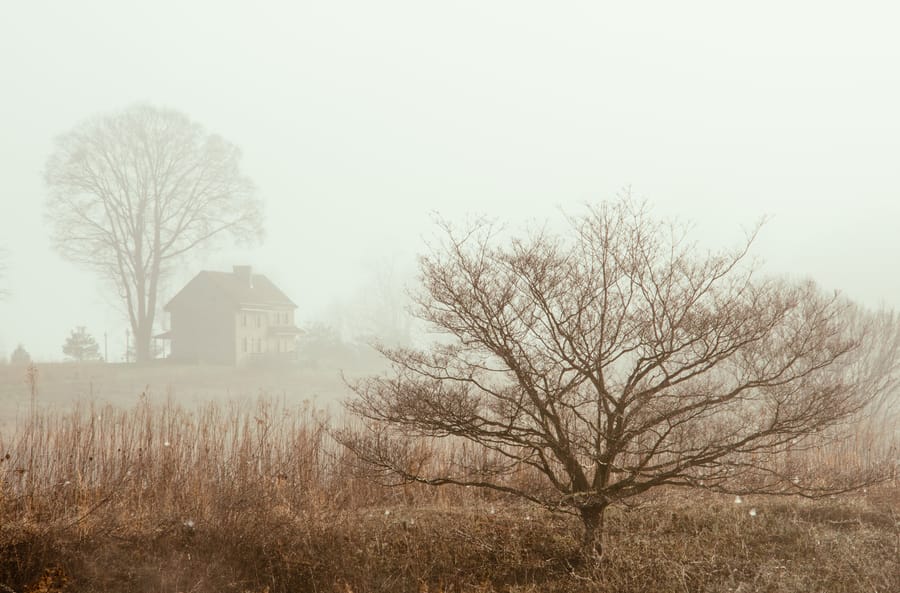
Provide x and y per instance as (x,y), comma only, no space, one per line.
(611,360)
(131,192)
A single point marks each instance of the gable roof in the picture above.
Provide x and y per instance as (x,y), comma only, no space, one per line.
(239,288)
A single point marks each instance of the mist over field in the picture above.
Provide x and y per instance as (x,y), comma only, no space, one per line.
(356,122)
(468,296)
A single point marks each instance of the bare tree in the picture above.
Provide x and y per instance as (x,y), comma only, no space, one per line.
(615,358)
(379,313)
(131,192)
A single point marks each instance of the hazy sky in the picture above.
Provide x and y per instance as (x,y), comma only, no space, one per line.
(358,119)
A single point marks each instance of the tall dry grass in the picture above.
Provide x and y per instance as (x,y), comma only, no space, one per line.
(254,496)
(160,460)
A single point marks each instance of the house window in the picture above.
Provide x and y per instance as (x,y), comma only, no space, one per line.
(244,345)
(244,322)
(259,320)
(258,345)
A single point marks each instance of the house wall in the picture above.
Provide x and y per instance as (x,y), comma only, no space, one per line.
(285,343)
(250,334)
(253,333)
(203,334)
(200,327)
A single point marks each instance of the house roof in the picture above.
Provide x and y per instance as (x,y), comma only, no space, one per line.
(241,288)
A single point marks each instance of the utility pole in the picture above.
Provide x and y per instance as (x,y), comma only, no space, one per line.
(127,346)
(105,348)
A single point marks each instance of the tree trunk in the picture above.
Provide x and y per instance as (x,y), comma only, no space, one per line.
(592,540)
(142,337)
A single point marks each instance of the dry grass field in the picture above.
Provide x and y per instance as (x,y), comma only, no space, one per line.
(109,485)
(61,385)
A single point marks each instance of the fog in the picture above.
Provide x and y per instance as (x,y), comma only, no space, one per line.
(360,120)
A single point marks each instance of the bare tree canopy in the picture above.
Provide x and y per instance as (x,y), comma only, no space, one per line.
(133,191)
(613,359)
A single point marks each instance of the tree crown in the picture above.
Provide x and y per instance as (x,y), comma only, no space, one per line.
(613,359)
(133,192)
(81,346)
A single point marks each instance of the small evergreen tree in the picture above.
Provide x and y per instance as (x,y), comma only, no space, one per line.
(19,356)
(81,346)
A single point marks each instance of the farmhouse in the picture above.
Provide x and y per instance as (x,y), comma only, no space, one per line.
(231,318)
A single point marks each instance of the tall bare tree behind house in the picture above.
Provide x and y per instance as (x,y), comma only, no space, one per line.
(613,359)
(132,192)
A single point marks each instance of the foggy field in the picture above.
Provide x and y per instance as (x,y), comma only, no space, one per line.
(256,498)
(60,386)
(423,297)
